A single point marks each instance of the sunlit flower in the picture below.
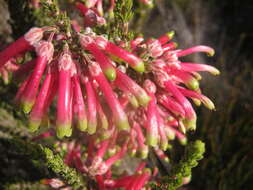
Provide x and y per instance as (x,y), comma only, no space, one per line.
(124,101)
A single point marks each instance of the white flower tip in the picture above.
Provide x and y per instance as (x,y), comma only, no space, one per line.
(65,62)
(34,35)
(85,39)
(45,49)
(94,68)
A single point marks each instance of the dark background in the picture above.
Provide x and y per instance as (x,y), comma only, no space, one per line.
(227,26)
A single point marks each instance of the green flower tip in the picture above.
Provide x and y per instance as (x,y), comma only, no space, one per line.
(175,44)
(186,180)
(209,104)
(110,74)
(111,14)
(118,163)
(139,67)
(27,106)
(211,53)
(215,72)
(6,81)
(171,34)
(182,128)
(183,141)
(123,124)
(169,147)
(33,125)
(134,101)
(171,135)
(104,122)
(104,135)
(190,124)
(166,159)
(144,99)
(82,124)
(144,153)
(164,145)
(63,130)
(147,170)
(132,153)
(152,140)
(91,128)
(197,102)
(193,84)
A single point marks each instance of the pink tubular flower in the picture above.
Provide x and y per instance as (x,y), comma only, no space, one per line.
(135,62)
(205,49)
(137,41)
(38,110)
(141,141)
(120,117)
(193,67)
(103,61)
(79,105)
(63,121)
(23,44)
(45,52)
(152,120)
(132,87)
(141,180)
(170,87)
(103,118)
(166,37)
(92,109)
(91,17)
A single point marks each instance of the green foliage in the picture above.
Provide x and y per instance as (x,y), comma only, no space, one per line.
(119,27)
(193,153)
(25,186)
(54,16)
(123,10)
(46,157)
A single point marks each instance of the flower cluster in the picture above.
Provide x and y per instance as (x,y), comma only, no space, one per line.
(124,101)
(122,98)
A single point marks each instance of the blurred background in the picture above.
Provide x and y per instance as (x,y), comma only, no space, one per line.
(225,25)
(228,132)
